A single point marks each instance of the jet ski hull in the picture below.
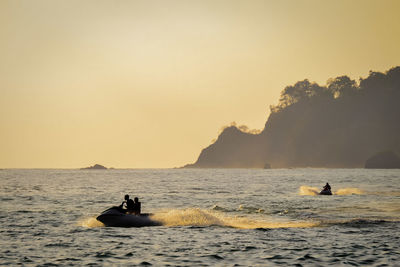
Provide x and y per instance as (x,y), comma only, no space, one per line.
(116,217)
(325,192)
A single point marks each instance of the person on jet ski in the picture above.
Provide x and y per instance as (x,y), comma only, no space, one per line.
(128,203)
(136,206)
(327,187)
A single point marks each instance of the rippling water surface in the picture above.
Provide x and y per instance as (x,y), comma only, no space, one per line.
(233,217)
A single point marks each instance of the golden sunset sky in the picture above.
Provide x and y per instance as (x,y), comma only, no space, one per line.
(143,84)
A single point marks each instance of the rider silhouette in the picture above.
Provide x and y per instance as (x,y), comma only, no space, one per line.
(128,203)
(327,187)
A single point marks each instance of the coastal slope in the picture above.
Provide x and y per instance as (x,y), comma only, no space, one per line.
(340,124)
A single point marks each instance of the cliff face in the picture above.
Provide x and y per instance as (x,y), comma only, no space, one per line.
(233,149)
(338,125)
(383,160)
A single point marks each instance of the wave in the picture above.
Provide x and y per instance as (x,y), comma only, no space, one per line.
(91,222)
(242,208)
(201,217)
(219,208)
(385,193)
(197,217)
(248,209)
(358,222)
(204,218)
(305,190)
(349,191)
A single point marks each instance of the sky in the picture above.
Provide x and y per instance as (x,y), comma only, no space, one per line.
(149,84)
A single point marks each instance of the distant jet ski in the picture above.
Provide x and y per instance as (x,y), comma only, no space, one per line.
(326,192)
(117,217)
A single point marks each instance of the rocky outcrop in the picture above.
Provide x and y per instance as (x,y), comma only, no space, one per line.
(95,167)
(338,125)
(233,149)
(383,160)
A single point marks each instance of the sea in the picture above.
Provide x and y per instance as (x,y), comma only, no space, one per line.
(208,217)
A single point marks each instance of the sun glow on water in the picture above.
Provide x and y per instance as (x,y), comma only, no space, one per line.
(201,217)
(349,191)
(90,223)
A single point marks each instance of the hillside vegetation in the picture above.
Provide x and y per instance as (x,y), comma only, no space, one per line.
(340,124)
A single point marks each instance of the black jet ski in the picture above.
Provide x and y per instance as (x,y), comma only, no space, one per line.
(117,217)
(326,192)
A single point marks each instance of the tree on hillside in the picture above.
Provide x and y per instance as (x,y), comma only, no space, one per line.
(298,92)
(342,86)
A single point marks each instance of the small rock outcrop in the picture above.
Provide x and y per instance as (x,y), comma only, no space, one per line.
(267,166)
(95,167)
(383,160)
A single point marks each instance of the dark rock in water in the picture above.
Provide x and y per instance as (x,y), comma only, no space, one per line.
(95,167)
(383,160)
(267,166)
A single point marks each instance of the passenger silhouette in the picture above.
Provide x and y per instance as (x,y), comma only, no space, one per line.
(136,206)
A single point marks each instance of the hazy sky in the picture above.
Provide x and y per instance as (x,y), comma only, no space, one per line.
(143,84)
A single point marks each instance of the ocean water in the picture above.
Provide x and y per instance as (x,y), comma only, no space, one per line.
(210,217)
